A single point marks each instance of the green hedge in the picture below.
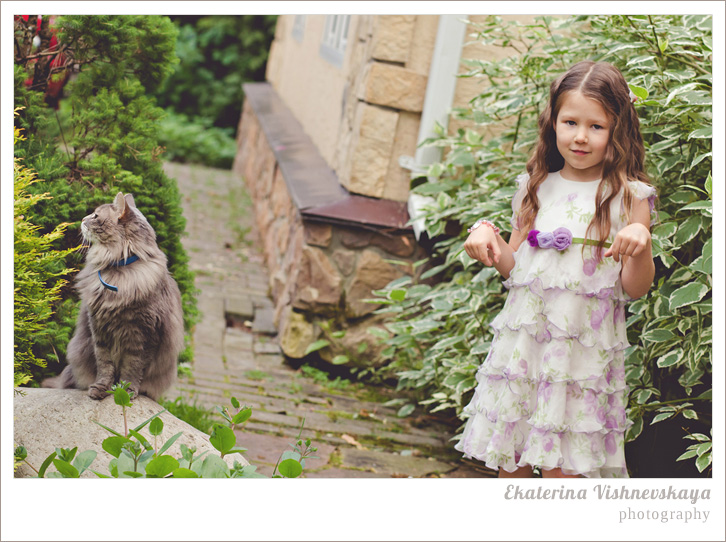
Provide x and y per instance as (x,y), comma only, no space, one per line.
(439,332)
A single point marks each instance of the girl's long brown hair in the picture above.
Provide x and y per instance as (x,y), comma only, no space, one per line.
(624,155)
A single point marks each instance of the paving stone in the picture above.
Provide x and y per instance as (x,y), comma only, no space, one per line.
(263,448)
(267,347)
(239,306)
(264,321)
(391,463)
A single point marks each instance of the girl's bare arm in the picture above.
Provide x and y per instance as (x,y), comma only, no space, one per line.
(491,249)
(633,244)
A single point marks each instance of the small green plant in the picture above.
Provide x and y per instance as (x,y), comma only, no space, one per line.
(194,414)
(136,457)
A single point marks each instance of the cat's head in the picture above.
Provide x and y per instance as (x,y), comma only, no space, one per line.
(119,228)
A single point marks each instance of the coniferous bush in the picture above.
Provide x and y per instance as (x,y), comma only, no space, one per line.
(104,138)
(439,332)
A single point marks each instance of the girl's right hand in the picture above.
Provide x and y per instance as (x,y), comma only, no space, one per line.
(482,245)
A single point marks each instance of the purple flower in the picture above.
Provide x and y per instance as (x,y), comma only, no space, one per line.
(572,196)
(548,444)
(545,239)
(562,238)
(532,238)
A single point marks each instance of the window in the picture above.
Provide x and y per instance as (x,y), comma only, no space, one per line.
(335,38)
(298,28)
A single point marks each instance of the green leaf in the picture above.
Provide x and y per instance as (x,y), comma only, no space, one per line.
(46,464)
(340,359)
(169,442)
(235,402)
(687,455)
(213,466)
(701,133)
(184,473)
(405,410)
(84,460)
(689,414)
(662,416)
(121,397)
(242,416)
(222,438)
(657,335)
(698,205)
(142,439)
(290,468)
(161,466)
(143,424)
(113,445)
(671,358)
(686,295)
(397,295)
(703,462)
(635,430)
(709,185)
(156,427)
(688,229)
(317,345)
(66,469)
(640,92)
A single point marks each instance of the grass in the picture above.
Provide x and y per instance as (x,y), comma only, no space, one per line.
(194,414)
(323,378)
(256,374)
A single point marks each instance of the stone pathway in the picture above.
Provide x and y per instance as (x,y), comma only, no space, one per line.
(237,355)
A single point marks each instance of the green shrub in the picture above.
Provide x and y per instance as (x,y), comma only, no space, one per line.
(38,275)
(196,141)
(108,139)
(203,96)
(439,321)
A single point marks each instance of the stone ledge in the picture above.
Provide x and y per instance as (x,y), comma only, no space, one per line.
(313,186)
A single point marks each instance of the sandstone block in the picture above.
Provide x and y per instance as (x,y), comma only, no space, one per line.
(46,419)
(318,234)
(280,197)
(394,86)
(369,163)
(318,284)
(345,260)
(296,333)
(372,273)
(392,37)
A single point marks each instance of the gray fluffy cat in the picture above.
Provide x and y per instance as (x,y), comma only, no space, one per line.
(130,326)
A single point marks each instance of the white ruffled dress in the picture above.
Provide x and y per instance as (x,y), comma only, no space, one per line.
(551,393)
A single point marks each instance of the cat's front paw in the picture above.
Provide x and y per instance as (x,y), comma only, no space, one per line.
(133,393)
(98,391)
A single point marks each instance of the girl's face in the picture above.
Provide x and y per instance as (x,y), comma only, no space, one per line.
(583,132)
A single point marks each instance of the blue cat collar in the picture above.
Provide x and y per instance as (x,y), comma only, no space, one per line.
(127,261)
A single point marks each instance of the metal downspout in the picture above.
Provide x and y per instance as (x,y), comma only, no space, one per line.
(437,103)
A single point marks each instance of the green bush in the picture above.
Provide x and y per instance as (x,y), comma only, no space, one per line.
(439,332)
(196,141)
(203,96)
(107,142)
(38,275)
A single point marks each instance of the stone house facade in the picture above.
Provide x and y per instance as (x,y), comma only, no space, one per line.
(328,147)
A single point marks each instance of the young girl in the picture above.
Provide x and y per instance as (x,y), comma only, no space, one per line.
(551,393)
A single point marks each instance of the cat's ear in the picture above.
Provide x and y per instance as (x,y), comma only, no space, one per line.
(120,204)
(130,200)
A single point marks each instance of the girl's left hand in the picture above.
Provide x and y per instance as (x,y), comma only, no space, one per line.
(630,241)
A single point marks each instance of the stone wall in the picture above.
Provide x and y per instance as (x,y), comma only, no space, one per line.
(320,272)
(366,114)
